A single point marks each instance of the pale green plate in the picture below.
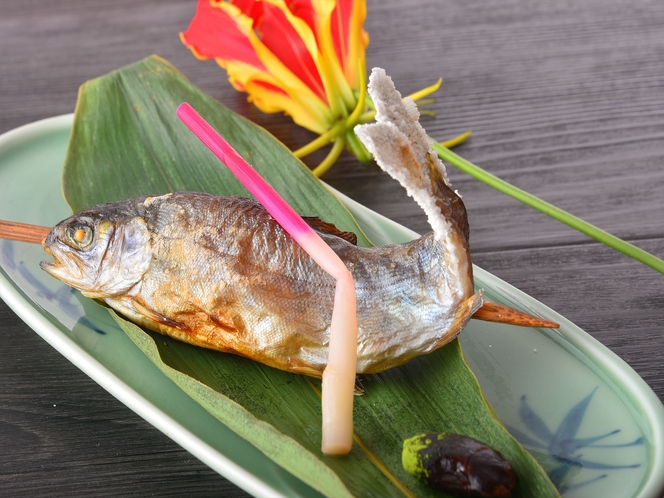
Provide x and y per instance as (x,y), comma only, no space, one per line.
(586,415)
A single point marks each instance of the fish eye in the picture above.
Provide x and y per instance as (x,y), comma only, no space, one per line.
(80,235)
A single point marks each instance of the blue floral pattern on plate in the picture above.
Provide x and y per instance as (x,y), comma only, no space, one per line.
(558,452)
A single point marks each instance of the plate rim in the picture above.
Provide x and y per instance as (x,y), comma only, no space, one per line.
(633,387)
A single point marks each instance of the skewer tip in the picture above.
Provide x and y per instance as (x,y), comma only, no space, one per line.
(23,232)
(500,313)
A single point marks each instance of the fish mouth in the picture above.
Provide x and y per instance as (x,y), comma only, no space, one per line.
(54,267)
(47,265)
(59,267)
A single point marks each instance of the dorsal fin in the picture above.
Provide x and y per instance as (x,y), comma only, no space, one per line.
(324,226)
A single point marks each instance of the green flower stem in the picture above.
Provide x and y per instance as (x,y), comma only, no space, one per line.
(426,91)
(331,157)
(563,216)
(367,117)
(453,142)
(357,148)
(321,141)
(357,112)
(339,127)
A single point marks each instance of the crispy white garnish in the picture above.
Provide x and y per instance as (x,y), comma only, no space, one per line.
(402,148)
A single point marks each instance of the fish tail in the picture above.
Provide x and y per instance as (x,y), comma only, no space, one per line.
(402,148)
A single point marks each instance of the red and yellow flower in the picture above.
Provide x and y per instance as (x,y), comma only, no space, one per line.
(301,57)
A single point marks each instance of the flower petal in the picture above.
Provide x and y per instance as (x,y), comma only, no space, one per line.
(270,98)
(292,46)
(329,62)
(305,11)
(350,40)
(214,33)
(281,74)
(309,21)
(251,8)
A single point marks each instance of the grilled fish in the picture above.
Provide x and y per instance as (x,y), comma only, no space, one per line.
(220,272)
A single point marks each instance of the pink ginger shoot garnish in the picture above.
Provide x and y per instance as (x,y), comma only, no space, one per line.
(339,374)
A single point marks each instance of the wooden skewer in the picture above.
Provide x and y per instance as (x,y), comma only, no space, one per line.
(490,312)
(499,313)
(23,232)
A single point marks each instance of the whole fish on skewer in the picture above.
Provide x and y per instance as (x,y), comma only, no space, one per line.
(220,272)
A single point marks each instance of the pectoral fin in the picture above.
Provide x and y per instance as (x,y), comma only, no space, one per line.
(157,318)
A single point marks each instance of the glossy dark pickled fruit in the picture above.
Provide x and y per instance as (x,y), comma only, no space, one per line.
(458,465)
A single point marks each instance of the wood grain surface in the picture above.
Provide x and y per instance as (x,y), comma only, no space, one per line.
(565,100)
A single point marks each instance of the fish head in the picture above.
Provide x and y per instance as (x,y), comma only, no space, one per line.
(99,252)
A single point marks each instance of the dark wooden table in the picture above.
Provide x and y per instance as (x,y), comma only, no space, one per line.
(565,100)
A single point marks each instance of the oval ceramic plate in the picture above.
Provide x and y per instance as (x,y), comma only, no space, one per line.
(590,420)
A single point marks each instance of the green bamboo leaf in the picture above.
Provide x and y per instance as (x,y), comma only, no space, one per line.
(126,141)
(188,366)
